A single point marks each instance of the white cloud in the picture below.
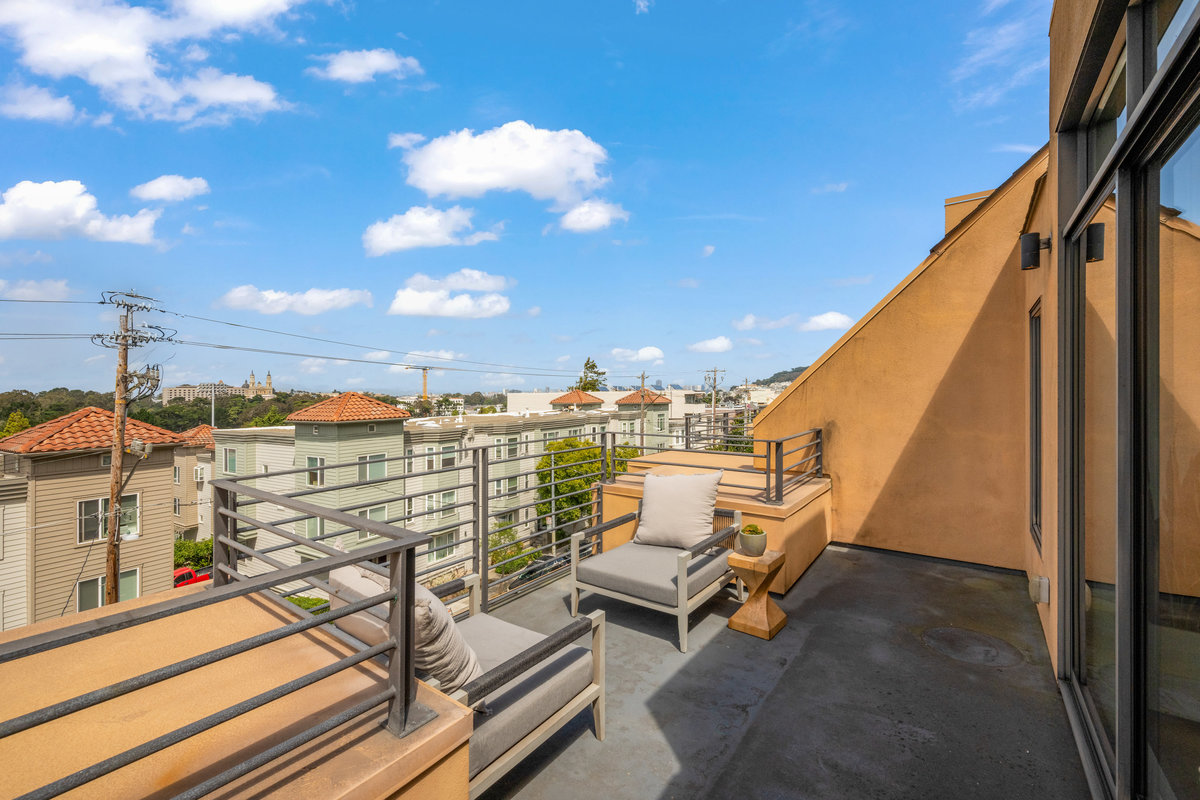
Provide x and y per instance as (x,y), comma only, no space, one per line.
(170,188)
(649,353)
(562,166)
(423,226)
(719,344)
(48,289)
(1001,57)
(592,215)
(95,358)
(829,321)
(195,52)
(312,366)
(134,55)
(1025,149)
(642,6)
(534,311)
(405,141)
(378,355)
(24,257)
(467,280)
(562,359)
(361,66)
(426,357)
(189,230)
(751,322)
(836,188)
(59,209)
(313,301)
(707,251)
(750,341)
(34,102)
(688,283)
(440,303)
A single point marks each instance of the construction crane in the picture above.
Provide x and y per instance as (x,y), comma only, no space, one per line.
(424,382)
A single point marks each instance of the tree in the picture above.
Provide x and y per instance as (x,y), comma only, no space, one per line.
(420,408)
(488,410)
(503,545)
(445,405)
(592,377)
(269,419)
(565,477)
(17,422)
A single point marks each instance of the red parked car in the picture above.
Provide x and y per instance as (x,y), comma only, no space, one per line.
(185,576)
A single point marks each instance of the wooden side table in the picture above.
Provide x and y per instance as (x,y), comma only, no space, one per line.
(759,615)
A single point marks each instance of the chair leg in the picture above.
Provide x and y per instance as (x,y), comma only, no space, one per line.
(598,716)
(574,600)
(683,628)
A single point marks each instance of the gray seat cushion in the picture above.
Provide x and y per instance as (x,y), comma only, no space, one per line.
(650,572)
(528,700)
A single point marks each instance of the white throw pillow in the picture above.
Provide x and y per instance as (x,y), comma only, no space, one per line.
(677,510)
(441,651)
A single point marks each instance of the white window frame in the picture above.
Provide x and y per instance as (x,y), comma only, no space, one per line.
(226,452)
(101,582)
(176,474)
(308,527)
(366,463)
(448,499)
(177,507)
(370,427)
(380,517)
(101,514)
(315,475)
(198,474)
(448,455)
(441,540)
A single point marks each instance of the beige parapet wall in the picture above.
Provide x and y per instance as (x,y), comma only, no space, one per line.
(922,403)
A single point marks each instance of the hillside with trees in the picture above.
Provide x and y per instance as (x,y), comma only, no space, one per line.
(783,376)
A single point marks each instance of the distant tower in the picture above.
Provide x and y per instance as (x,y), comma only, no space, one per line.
(252,382)
(269,389)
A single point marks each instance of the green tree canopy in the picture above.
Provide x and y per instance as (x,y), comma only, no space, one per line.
(592,377)
(503,545)
(271,418)
(566,474)
(17,422)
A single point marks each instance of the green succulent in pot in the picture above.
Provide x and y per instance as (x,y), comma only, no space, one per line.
(752,541)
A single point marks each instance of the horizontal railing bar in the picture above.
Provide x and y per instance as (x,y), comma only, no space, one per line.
(799,449)
(439,566)
(102,768)
(340,518)
(40,643)
(113,691)
(285,747)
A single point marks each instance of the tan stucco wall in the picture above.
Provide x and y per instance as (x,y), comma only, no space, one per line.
(1069,25)
(957,208)
(923,402)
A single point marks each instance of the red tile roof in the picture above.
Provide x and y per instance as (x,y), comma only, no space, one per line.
(200,436)
(348,407)
(576,397)
(651,398)
(86,429)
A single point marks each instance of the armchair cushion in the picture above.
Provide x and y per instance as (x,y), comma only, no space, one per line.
(441,650)
(677,510)
(651,572)
(525,702)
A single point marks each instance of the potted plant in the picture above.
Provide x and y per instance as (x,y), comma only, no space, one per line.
(752,541)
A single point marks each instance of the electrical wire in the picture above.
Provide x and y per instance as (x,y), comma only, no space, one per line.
(83,302)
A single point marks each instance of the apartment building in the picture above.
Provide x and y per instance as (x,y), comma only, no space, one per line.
(192,507)
(259,452)
(53,515)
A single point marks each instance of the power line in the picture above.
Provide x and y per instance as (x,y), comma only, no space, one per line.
(84,302)
(427,356)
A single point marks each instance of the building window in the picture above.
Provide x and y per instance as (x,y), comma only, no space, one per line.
(447,455)
(230,454)
(448,500)
(377,513)
(175,470)
(316,472)
(372,467)
(316,430)
(442,546)
(430,459)
(1035,424)
(371,427)
(198,476)
(89,594)
(93,518)
(512,446)
(176,506)
(314,527)
(106,460)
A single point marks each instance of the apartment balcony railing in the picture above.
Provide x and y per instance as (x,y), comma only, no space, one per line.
(395,548)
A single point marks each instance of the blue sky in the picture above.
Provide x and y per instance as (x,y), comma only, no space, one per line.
(507,188)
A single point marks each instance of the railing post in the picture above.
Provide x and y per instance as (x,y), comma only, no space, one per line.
(402,577)
(481,514)
(604,454)
(222,526)
(687,431)
(820,453)
(778,471)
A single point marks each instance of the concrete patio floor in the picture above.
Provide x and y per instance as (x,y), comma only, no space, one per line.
(896,677)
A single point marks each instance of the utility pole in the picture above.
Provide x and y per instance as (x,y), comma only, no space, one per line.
(714,371)
(128,386)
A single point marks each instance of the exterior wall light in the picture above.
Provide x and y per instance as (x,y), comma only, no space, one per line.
(1031,245)
(1095,242)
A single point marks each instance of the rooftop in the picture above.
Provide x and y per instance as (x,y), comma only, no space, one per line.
(643,396)
(576,397)
(200,436)
(895,676)
(88,428)
(348,407)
